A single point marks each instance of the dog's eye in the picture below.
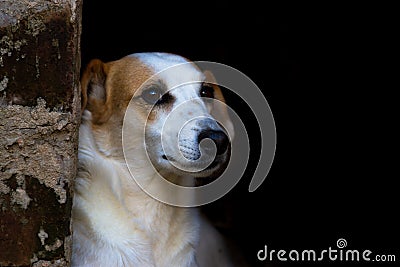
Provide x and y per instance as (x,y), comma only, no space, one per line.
(156,96)
(207,90)
(152,95)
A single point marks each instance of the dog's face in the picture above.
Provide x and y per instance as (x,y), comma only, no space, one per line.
(172,106)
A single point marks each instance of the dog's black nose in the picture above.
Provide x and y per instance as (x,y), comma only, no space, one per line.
(220,139)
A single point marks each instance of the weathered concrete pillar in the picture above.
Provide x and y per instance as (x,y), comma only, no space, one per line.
(39,122)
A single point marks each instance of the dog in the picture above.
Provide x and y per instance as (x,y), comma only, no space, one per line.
(116,223)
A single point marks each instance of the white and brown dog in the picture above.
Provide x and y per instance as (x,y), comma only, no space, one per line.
(115,223)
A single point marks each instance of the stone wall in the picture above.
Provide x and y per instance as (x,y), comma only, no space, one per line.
(39,121)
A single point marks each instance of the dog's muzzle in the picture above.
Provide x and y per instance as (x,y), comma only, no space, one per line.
(210,139)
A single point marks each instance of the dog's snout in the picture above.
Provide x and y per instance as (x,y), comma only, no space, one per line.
(220,139)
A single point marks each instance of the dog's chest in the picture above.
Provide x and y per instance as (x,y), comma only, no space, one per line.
(173,232)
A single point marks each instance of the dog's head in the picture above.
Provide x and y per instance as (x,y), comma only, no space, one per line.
(172,106)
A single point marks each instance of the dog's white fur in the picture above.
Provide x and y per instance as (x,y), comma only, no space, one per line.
(115,223)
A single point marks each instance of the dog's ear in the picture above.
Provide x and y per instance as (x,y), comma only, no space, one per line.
(219,111)
(95,94)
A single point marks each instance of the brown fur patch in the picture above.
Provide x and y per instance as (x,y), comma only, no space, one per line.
(118,81)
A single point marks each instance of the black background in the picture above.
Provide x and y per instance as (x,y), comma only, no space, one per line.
(325,71)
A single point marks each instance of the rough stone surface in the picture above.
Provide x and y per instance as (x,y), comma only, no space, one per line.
(37,51)
(39,122)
